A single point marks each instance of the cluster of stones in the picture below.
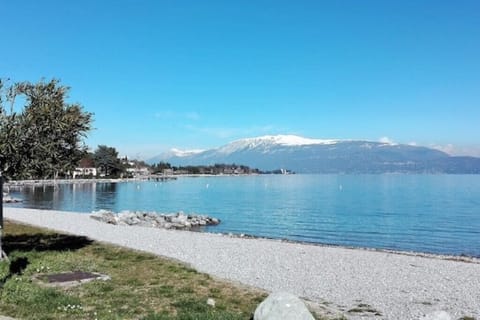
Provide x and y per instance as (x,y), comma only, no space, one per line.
(179,220)
(284,305)
(8,199)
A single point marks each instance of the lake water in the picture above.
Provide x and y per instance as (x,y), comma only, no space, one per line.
(426,213)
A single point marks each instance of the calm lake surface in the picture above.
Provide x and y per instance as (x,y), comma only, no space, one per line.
(426,213)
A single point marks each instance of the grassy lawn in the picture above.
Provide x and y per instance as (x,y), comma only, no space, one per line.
(142,286)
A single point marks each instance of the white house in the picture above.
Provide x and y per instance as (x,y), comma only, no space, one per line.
(84,172)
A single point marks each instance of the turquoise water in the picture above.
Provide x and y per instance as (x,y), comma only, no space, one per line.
(426,213)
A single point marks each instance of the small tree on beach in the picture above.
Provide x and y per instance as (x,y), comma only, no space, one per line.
(52,128)
(44,139)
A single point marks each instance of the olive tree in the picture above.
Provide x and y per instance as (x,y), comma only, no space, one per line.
(44,138)
(52,130)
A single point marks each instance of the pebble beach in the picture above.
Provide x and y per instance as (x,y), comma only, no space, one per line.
(360,283)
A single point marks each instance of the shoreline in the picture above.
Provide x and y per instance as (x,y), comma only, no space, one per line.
(51,182)
(443,256)
(397,285)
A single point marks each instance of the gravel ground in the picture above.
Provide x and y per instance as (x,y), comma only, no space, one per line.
(366,282)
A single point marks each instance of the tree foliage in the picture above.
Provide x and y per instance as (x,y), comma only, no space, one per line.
(106,158)
(45,138)
(159,167)
(218,168)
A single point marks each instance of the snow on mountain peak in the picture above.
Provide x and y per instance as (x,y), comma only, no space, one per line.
(185,153)
(292,140)
(268,141)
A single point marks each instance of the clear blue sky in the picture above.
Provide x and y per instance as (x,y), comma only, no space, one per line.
(198,74)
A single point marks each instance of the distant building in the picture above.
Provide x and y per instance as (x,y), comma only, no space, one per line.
(239,171)
(84,172)
(228,171)
(138,172)
(179,172)
(167,172)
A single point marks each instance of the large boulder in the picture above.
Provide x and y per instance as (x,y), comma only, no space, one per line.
(104,216)
(282,305)
(437,315)
(8,199)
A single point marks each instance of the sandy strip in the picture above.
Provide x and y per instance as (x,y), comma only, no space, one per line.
(396,285)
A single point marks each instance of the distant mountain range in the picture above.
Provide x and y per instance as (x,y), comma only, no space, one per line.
(303,155)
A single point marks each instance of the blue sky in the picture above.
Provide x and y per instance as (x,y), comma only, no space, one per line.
(198,74)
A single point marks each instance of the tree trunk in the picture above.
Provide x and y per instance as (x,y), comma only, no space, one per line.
(2,253)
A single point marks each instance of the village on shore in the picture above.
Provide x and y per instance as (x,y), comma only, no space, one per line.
(134,170)
(139,169)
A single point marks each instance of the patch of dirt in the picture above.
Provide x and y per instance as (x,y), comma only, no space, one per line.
(69,279)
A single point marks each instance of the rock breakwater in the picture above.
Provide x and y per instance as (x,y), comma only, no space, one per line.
(8,199)
(180,220)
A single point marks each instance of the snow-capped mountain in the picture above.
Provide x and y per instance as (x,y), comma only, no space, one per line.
(285,140)
(267,142)
(304,155)
(184,153)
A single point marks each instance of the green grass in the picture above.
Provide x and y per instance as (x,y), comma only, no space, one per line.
(142,286)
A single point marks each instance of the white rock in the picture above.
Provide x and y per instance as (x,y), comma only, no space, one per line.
(437,315)
(282,305)
(211,302)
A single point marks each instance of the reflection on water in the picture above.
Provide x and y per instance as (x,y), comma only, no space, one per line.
(432,213)
(82,197)
(105,196)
